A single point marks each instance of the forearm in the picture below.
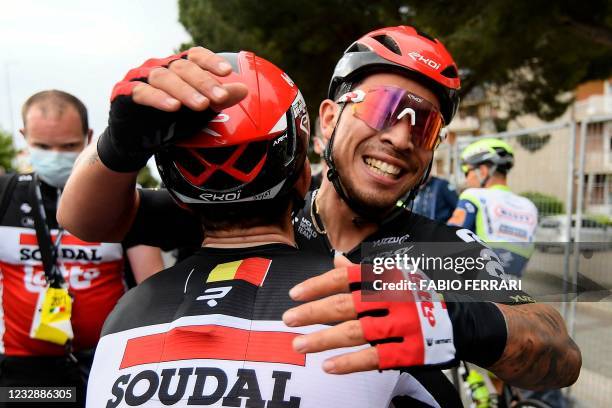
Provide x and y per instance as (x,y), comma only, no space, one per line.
(539,354)
(98,204)
(145,261)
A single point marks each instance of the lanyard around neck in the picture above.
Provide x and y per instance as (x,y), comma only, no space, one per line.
(48,250)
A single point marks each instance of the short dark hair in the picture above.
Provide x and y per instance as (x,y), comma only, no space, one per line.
(59,100)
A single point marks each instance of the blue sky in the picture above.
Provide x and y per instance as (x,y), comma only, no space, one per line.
(82,47)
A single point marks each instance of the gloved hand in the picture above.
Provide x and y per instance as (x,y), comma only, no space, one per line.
(161,102)
(406,328)
(414,330)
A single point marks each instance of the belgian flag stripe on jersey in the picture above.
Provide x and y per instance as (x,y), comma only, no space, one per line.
(212,342)
(252,270)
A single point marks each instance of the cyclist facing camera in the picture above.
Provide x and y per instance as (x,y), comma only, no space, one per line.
(391,93)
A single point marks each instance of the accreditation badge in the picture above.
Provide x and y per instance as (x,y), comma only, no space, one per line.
(51,320)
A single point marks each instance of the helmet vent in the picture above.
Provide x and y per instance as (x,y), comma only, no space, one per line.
(450,72)
(423,34)
(357,47)
(188,161)
(389,43)
(251,156)
(216,155)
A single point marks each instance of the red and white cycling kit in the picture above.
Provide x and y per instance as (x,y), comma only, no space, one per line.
(176,227)
(208,332)
(93,271)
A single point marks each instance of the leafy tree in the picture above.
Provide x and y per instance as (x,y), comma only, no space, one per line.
(531,52)
(303,37)
(546,204)
(7,151)
(146,179)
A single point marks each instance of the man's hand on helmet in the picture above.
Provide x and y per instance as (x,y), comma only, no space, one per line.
(161,100)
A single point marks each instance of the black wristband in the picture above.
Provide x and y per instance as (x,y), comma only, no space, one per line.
(479,329)
(118,160)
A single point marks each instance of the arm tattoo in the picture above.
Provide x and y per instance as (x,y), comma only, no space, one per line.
(539,353)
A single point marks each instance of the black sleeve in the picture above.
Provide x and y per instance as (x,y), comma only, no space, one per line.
(7,184)
(486,266)
(162,223)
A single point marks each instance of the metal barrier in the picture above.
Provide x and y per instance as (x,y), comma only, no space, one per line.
(568,175)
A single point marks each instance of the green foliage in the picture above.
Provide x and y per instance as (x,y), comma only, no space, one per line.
(533,142)
(600,218)
(145,179)
(7,151)
(546,204)
(303,37)
(534,51)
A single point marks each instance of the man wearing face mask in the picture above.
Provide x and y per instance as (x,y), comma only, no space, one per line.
(44,266)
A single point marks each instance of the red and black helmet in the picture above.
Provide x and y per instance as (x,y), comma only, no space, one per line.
(252,151)
(408,52)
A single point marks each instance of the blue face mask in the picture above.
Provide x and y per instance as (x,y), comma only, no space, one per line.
(52,167)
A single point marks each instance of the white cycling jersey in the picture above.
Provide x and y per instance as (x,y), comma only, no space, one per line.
(501,218)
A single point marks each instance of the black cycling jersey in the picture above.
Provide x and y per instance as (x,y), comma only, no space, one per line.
(157,223)
(425,237)
(209,331)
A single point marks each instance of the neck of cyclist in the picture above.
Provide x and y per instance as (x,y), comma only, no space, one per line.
(250,237)
(495,179)
(337,217)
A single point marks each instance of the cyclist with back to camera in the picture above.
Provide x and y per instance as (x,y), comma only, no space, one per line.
(373,146)
(504,220)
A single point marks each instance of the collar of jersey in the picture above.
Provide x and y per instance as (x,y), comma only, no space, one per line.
(247,250)
(500,187)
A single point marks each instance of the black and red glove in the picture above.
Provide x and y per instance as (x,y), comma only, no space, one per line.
(412,331)
(136,132)
(416,328)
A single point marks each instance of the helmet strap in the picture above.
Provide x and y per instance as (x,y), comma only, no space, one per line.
(485,180)
(364,215)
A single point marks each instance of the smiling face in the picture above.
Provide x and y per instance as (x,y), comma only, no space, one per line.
(378,167)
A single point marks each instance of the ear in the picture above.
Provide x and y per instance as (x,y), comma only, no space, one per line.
(484,170)
(89,135)
(328,116)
